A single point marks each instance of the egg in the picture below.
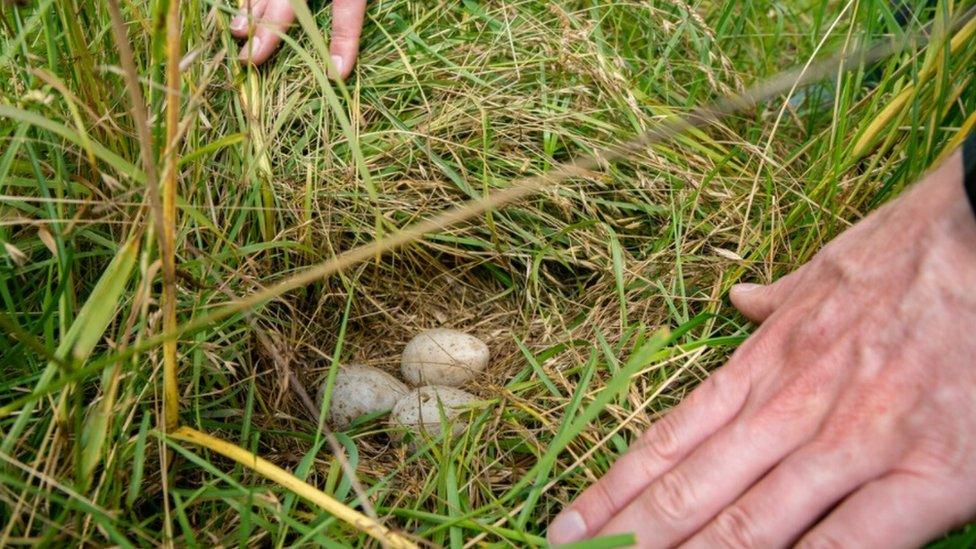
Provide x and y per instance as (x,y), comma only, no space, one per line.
(421,410)
(443,357)
(360,390)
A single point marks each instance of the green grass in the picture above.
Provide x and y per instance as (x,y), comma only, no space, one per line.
(280,171)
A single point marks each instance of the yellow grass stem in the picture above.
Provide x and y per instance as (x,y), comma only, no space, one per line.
(898,103)
(170,388)
(953,145)
(287,480)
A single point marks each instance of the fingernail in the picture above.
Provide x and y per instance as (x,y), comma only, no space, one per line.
(251,49)
(239,22)
(746,288)
(337,62)
(568,527)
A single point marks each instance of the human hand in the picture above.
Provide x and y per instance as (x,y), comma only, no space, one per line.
(263,22)
(845,420)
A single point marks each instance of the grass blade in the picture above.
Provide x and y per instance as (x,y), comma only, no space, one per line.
(287,480)
(89,326)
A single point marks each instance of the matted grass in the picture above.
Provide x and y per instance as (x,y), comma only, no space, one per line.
(279,171)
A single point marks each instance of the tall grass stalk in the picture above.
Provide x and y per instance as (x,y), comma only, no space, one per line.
(468,175)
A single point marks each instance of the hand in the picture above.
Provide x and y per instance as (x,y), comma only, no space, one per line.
(846,420)
(263,22)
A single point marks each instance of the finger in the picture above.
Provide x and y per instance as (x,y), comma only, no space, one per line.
(757,301)
(790,498)
(347,26)
(897,510)
(718,472)
(710,406)
(277,16)
(246,17)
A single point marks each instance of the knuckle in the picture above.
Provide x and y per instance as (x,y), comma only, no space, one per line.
(598,496)
(841,267)
(830,261)
(821,540)
(724,387)
(663,442)
(800,399)
(941,454)
(818,328)
(341,37)
(345,33)
(733,528)
(642,468)
(832,439)
(847,424)
(672,497)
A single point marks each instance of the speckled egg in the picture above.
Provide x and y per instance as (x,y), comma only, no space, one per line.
(443,357)
(421,409)
(360,390)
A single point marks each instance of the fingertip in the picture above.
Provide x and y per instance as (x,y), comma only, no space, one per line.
(241,23)
(246,53)
(343,58)
(347,26)
(744,291)
(239,26)
(568,527)
(256,50)
(269,21)
(340,69)
(348,64)
(747,298)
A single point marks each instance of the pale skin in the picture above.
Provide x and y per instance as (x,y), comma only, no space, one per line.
(845,420)
(263,22)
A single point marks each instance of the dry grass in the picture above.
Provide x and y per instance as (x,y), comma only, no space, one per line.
(280,171)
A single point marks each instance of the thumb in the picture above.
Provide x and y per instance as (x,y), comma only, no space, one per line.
(758,301)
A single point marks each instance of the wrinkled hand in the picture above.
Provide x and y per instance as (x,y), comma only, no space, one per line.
(846,420)
(263,22)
